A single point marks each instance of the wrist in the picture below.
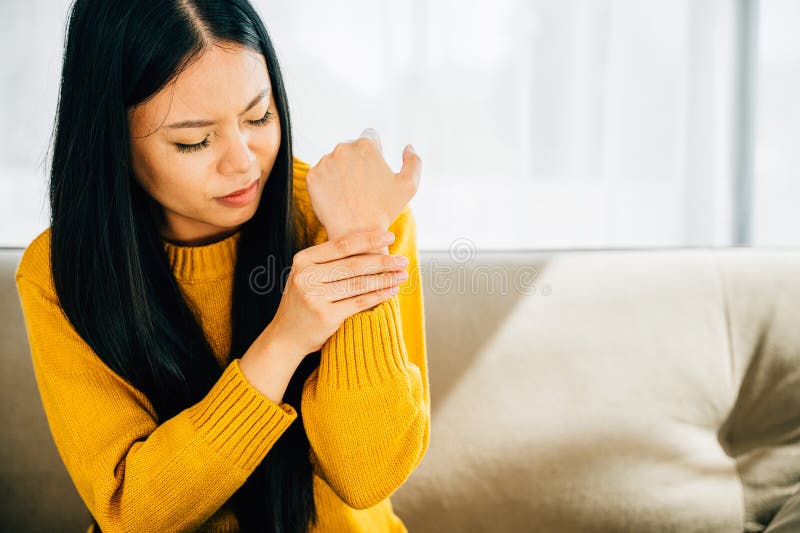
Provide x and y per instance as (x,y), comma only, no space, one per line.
(279,345)
(341,231)
(268,366)
(334,234)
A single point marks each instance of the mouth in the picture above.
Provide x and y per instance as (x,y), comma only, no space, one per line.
(241,192)
(242,197)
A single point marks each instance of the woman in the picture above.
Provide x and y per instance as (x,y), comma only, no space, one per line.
(208,360)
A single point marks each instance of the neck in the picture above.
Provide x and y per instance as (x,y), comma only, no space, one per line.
(190,237)
(201,240)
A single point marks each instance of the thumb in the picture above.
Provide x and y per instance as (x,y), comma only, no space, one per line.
(412,165)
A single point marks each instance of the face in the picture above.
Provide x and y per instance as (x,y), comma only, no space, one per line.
(211,132)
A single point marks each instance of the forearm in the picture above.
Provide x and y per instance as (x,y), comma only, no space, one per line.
(269,364)
(372,381)
(367,384)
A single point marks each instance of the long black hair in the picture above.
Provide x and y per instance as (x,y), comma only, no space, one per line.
(110,270)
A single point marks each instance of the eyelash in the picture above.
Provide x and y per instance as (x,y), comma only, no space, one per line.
(202,144)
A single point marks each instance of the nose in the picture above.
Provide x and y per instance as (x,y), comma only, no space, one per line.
(238,158)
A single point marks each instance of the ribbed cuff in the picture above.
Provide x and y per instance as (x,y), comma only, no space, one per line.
(239,422)
(367,349)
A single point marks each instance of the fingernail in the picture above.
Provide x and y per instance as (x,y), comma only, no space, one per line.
(402,276)
(401,260)
(411,149)
(388,237)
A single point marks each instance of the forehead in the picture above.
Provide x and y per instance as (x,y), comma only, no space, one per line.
(219,82)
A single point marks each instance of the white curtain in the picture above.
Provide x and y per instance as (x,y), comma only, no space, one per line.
(577,123)
(776,217)
(541,123)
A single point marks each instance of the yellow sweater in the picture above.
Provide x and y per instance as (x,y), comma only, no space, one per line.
(366,409)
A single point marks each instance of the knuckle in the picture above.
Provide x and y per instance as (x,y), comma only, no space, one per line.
(337,273)
(364,145)
(361,300)
(358,284)
(373,241)
(344,245)
(350,266)
(298,284)
(339,288)
(373,267)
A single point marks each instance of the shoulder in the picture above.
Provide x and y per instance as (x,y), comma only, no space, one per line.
(301,168)
(300,190)
(34,266)
(299,173)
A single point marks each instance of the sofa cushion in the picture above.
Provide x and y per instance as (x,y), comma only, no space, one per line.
(762,430)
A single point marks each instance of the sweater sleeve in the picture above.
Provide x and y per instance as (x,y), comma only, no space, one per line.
(132,473)
(366,409)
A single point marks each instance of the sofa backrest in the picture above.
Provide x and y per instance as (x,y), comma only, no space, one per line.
(625,390)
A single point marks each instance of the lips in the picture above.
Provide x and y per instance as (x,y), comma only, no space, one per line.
(240,191)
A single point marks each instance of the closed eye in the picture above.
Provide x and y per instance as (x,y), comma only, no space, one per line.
(192,147)
(263,121)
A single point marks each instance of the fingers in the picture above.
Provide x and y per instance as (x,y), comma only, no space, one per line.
(350,287)
(361,265)
(362,302)
(412,166)
(372,134)
(345,246)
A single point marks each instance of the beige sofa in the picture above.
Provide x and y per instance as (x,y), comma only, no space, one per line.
(641,391)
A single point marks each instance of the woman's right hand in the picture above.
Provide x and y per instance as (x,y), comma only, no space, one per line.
(332,281)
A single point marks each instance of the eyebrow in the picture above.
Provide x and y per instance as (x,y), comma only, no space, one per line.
(206,123)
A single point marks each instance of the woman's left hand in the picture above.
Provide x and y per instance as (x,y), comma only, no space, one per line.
(352,189)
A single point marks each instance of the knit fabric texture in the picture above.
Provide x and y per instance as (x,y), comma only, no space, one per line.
(366,409)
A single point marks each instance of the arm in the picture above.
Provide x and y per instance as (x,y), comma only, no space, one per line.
(366,409)
(132,473)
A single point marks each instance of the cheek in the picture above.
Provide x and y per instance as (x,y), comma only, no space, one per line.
(266,142)
(266,152)
(175,180)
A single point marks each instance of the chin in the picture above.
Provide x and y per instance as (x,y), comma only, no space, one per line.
(237,219)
